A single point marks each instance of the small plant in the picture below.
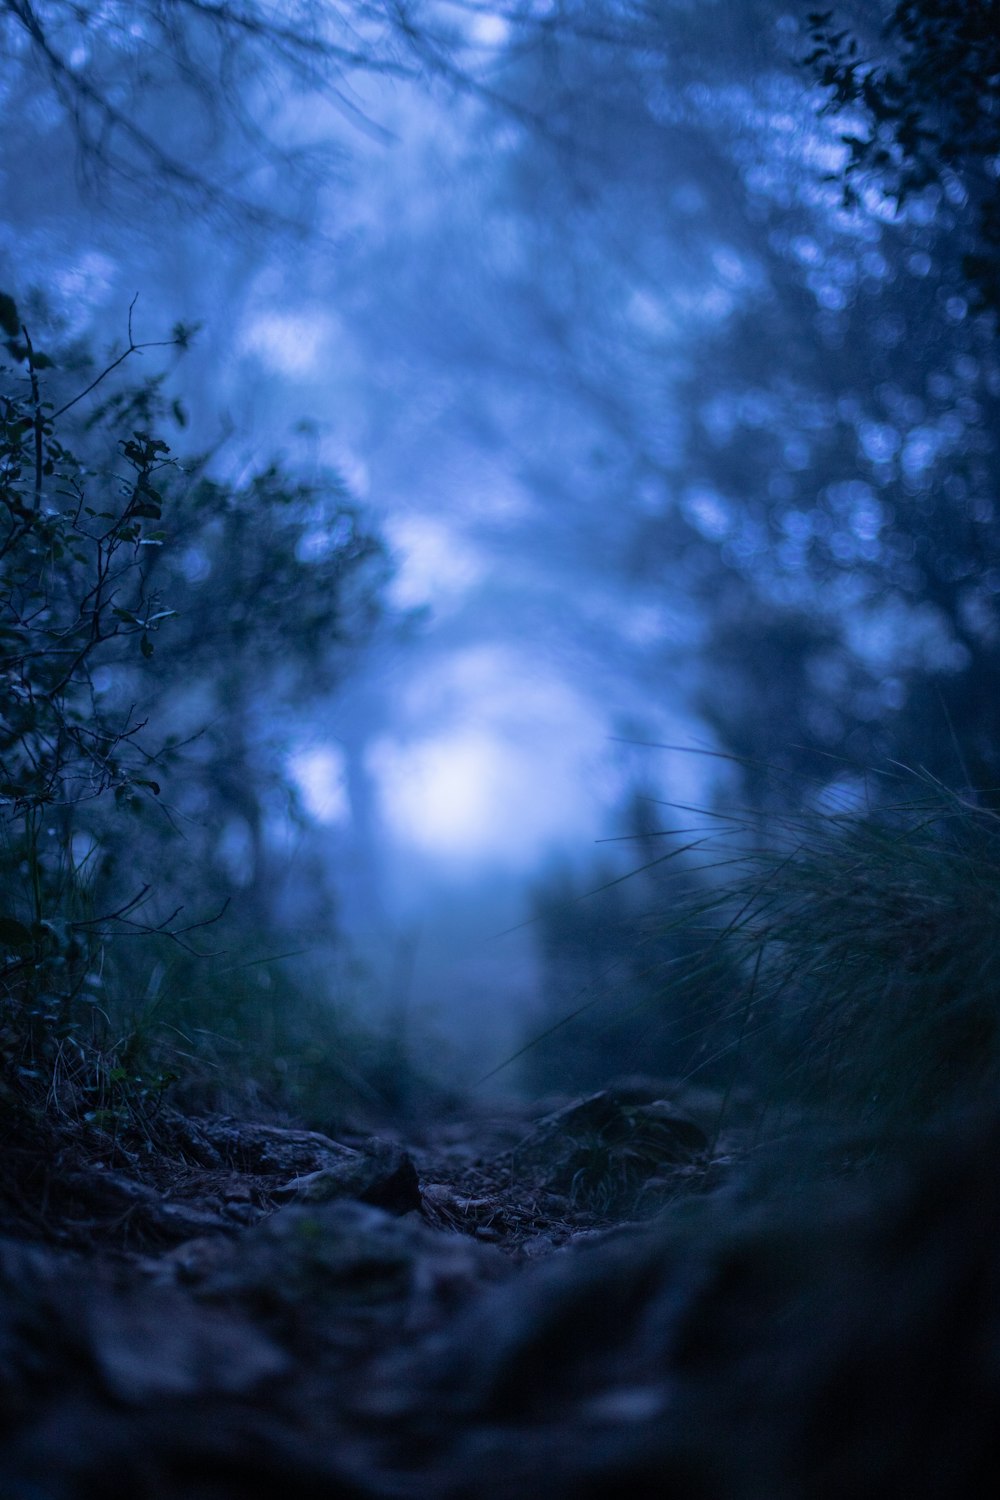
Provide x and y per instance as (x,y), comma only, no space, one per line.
(75,602)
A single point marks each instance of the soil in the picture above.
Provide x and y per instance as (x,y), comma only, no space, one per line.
(585,1298)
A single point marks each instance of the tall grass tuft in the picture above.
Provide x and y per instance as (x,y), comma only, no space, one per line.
(821,968)
(871,948)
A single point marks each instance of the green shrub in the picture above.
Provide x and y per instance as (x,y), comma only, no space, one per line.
(159,630)
(74,599)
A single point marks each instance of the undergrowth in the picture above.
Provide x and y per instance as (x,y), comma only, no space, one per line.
(822,971)
(870,944)
(134,963)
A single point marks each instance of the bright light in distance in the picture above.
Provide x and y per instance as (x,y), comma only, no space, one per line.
(498,761)
(447,794)
(470,795)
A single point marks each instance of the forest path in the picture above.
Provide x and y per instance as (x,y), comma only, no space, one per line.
(579,1305)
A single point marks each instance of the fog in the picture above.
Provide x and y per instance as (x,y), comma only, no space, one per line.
(577,320)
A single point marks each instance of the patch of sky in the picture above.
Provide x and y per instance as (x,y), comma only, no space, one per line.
(868,517)
(734,269)
(829,296)
(435,563)
(332,457)
(290,344)
(318,773)
(920,451)
(806,251)
(507,247)
(874,202)
(321,540)
(83,283)
(488,29)
(878,441)
(708,512)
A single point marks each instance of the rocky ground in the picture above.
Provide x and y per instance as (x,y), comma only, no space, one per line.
(609,1296)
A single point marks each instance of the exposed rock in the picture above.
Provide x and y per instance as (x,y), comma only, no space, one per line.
(382,1174)
(605,1151)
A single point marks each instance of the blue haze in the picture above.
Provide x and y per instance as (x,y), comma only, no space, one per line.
(493,334)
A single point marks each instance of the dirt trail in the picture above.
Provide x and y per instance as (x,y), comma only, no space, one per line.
(592,1303)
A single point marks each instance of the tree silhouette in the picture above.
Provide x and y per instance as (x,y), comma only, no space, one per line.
(928,113)
(157,90)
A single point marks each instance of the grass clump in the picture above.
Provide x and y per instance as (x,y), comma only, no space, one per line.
(830,970)
(870,945)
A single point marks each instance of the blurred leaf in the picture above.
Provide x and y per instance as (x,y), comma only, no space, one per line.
(9,319)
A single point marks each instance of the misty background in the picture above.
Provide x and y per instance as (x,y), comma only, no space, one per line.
(669,472)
